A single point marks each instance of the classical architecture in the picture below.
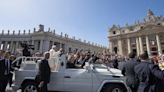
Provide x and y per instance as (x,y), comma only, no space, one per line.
(43,40)
(146,36)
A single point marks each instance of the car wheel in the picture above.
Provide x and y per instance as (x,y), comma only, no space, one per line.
(114,88)
(29,87)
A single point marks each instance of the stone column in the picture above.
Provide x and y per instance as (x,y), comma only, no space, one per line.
(32,42)
(137,46)
(5,45)
(17,44)
(120,47)
(111,47)
(11,46)
(141,45)
(36,43)
(129,45)
(46,45)
(13,50)
(60,45)
(158,44)
(41,46)
(148,45)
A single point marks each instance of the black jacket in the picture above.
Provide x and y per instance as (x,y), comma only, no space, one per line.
(115,63)
(44,71)
(128,71)
(2,68)
(148,74)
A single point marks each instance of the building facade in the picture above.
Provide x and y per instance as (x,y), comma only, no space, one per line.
(43,40)
(146,36)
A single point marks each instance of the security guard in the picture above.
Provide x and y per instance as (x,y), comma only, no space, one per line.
(147,73)
(128,71)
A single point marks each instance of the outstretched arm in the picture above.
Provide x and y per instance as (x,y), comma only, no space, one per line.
(157,72)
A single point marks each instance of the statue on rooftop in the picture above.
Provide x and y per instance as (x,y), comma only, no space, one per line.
(41,28)
(150,13)
(150,16)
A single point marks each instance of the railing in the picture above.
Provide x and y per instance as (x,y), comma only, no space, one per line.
(22,62)
(31,63)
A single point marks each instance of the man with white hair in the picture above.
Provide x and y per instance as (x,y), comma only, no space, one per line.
(53,55)
(53,51)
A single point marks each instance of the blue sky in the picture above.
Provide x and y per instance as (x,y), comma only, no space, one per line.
(85,19)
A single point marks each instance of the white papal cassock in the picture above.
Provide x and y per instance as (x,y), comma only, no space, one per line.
(53,59)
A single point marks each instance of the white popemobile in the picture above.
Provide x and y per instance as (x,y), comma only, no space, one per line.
(94,78)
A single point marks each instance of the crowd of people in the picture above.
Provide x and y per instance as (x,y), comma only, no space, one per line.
(142,73)
(77,58)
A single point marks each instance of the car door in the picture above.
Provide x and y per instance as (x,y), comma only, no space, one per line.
(77,80)
(57,77)
(56,81)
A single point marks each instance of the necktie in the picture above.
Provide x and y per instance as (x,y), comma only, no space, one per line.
(7,67)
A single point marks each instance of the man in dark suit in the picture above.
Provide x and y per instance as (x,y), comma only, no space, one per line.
(2,70)
(128,71)
(5,67)
(148,74)
(44,73)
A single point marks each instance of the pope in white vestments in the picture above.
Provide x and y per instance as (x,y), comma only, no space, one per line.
(53,58)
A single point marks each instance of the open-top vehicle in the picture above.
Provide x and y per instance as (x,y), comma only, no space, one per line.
(93,78)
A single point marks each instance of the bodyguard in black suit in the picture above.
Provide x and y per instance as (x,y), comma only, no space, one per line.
(148,74)
(43,74)
(128,71)
(5,67)
(1,69)
(2,76)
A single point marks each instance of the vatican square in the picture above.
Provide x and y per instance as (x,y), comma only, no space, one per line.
(81,46)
